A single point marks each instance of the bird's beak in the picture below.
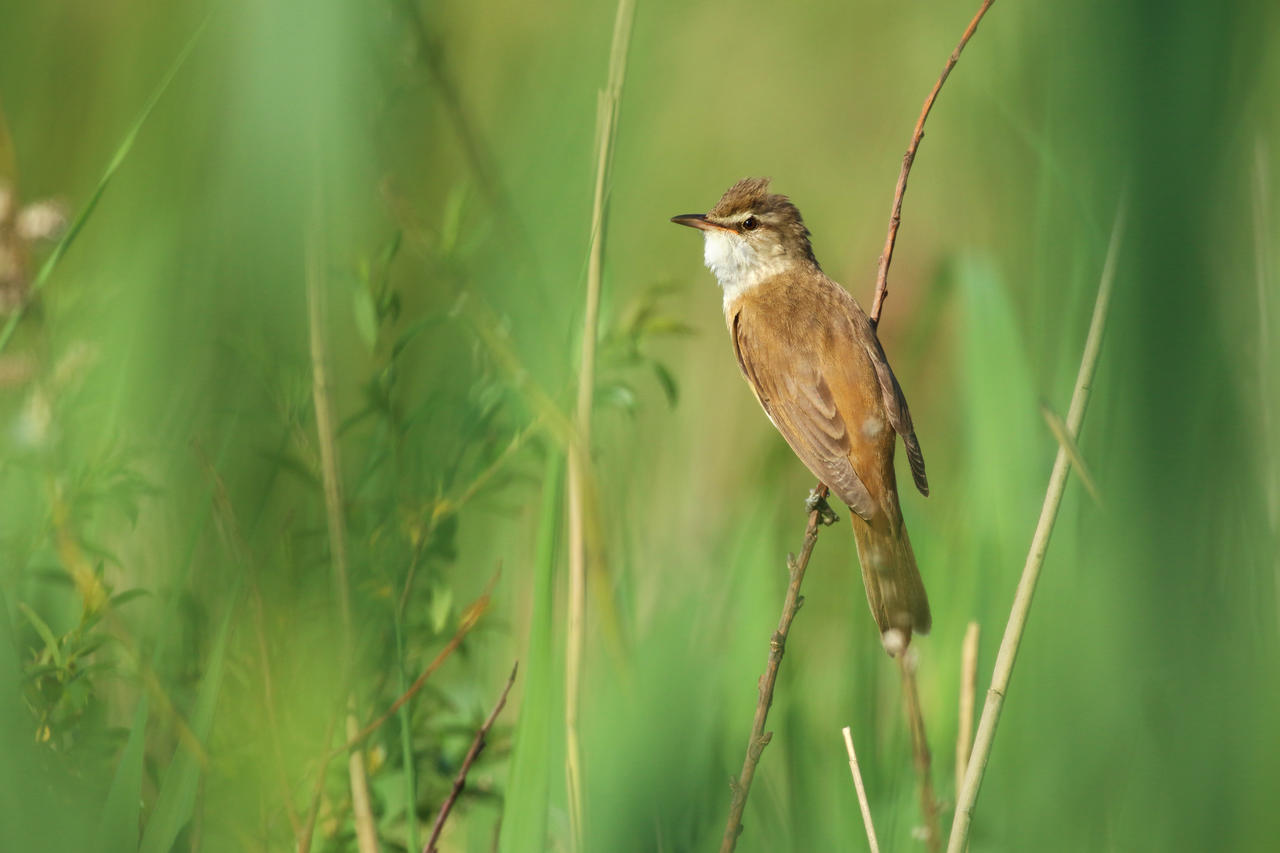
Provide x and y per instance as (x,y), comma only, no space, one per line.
(696,220)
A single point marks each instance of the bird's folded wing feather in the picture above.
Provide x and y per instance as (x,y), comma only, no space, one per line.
(799,402)
(895,405)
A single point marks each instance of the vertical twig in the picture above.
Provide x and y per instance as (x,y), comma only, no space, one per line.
(461,779)
(922,758)
(968,687)
(580,447)
(895,215)
(759,738)
(366,832)
(317,792)
(820,514)
(862,791)
(1008,653)
(361,803)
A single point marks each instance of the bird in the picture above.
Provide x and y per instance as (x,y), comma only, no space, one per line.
(812,358)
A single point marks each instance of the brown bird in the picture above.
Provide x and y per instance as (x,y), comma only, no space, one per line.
(812,357)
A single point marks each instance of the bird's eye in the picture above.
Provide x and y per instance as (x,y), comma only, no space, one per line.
(750,223)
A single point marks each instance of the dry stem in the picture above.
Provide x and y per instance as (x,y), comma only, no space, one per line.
(580,447)
(895,216)
(862,792)
(476,745)
(920,750)
(968,687)
(759,738)
(366,832)
(1008,653)
(777,645)
(468,621)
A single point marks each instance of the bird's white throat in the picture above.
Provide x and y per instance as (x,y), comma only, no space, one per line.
(737,265)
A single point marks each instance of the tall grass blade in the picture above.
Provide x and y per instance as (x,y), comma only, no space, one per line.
(122,151)
(524,817)
(581,510)
(118,827)
(177,799)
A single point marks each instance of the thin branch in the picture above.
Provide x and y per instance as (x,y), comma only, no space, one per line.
(361,803)
(580,449)
(468,621)
(818,515)
(476,745)
(920,750)
(895,217)
(118,158)
(330,469)
(862,792)
(968,687)
(317,793)
(1009,645)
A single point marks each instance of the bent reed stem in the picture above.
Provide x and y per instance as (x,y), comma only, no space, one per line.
(1012,640)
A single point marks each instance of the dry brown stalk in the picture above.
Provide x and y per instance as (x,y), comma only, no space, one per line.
(317,792)
(759,739)
(907,663)
(968,687)
(461,779)
(862,791)
(895,216)
(366,832)
(579,464)
(470,617)
(1012,639)
(819,515)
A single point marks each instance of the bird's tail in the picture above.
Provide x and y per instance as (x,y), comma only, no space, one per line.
(895,590)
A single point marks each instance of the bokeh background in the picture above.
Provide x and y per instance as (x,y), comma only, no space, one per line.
(173,661)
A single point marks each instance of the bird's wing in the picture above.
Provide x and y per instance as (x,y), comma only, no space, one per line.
(895,404)
(802,407)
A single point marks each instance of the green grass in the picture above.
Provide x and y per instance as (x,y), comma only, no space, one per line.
(159,466)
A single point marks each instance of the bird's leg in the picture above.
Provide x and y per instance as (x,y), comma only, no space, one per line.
(817,500)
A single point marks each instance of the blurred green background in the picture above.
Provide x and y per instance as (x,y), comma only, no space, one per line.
(173,662)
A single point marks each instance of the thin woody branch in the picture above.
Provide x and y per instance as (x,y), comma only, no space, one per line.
(819,515)
(895,217)
(920,751)
(460,780)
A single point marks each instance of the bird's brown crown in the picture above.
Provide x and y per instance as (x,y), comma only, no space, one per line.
(752,196)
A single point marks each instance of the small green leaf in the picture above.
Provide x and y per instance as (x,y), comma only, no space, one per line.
(118,825)
(668,382)
(654,326)
(366,317)
(441,607)
(90,645)
(617,395)
(42,628)
(120,599)
(451,225)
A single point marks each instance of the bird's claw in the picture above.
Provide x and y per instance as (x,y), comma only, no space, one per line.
(818,503)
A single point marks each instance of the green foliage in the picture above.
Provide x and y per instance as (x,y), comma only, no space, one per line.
(173,668)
